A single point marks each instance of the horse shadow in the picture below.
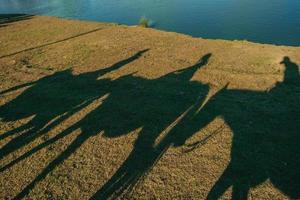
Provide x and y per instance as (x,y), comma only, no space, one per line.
(265,125)
(265,144)
(51,100)
(133,102)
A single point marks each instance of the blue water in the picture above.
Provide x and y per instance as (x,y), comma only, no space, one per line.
(265,21)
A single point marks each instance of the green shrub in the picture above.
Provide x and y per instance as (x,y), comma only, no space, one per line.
(144,22)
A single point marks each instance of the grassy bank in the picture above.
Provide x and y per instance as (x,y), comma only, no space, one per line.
(96,110)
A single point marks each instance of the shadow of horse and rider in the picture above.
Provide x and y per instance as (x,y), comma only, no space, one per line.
(265,125)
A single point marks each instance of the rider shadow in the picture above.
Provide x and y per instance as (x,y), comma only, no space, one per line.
(265,144)
(265,125)
(133,103)
(50,101)
(174,95)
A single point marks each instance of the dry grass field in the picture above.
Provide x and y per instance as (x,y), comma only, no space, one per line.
(104,111)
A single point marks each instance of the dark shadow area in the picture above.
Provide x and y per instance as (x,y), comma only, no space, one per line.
(6,19)
(51,100)
(265,125)
(133,102)
(266,136)
(173,97)
(51,43)
(266,140)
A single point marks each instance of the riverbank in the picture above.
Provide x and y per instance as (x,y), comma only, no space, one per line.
(88,109)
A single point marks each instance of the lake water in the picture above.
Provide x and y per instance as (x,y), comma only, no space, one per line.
(265,21)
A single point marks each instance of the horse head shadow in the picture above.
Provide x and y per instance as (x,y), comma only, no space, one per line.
(266,137)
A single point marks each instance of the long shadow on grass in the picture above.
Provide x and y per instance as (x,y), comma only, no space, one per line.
(6,19)
(51,100)
(51,43)
(266,140)
(166,102)
(265,128)
(133,102)
(266,136)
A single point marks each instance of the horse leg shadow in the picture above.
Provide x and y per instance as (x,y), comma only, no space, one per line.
(240,188)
